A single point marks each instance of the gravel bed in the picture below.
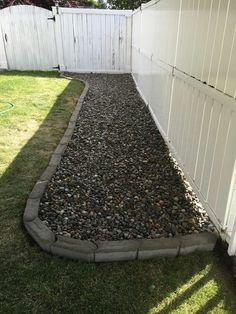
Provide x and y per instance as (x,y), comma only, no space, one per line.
(117,179)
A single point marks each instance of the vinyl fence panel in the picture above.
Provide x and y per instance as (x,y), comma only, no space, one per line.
(206,45)
(184,66)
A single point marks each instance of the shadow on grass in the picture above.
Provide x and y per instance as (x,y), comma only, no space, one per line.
(21,175)
(178,301)
(35,282)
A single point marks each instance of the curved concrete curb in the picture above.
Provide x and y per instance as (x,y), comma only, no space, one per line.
(101,251)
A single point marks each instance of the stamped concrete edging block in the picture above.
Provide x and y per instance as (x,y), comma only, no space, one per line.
(55,159)
(111,251)
(74,117)
(31,209)
(74,249)
(60,149)
(205,241)
(101,251)
(65,140)
(69,132)
(48,173)
(38,190)
(164,247)
(40,233)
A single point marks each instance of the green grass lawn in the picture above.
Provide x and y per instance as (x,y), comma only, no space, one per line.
(32,281)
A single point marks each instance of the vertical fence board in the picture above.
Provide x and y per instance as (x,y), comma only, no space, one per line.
(219,37)
(203,141)
(3,57)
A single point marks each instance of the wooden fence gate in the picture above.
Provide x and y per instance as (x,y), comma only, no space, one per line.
(28,39)
(92,40)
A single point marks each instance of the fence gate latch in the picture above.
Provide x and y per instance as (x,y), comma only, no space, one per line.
(52,18)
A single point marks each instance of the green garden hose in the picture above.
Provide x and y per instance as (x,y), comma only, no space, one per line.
(9,106)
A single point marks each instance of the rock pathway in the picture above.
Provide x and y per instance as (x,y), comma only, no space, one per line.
(116,179)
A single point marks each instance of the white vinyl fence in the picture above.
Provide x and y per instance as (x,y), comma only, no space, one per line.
(84,40)
(184,65)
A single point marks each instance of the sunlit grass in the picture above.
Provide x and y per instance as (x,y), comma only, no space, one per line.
(28,134)
(185,292)
(33,97)
(35,282)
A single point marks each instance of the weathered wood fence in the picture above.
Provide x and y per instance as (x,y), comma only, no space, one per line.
(27,38)
(93,40)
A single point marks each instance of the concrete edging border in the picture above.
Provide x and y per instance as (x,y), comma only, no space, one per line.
(101,251)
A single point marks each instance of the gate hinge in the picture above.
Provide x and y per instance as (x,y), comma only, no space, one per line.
(173,71)
(52,18)
(223,230)
(57,67)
